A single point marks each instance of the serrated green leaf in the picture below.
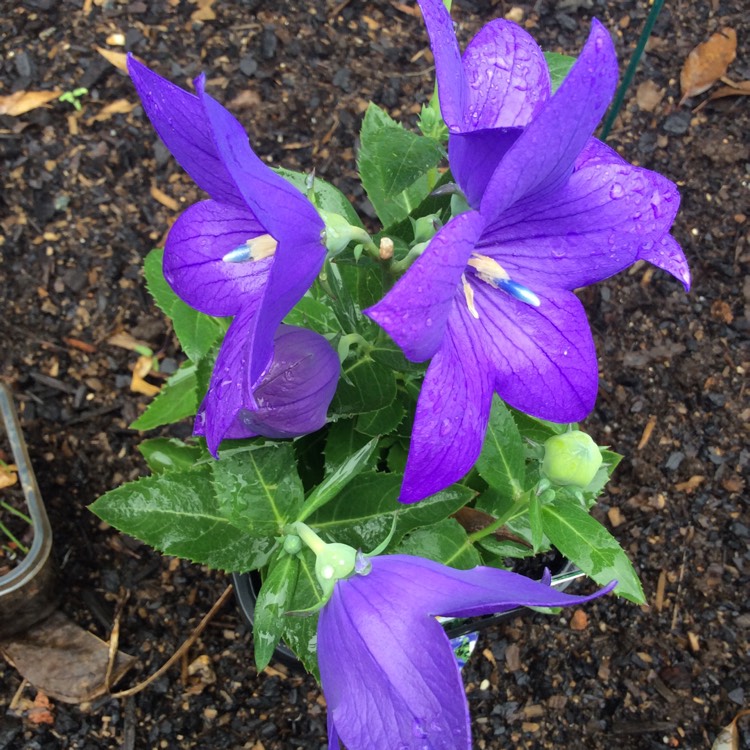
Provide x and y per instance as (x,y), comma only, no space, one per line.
(382,421)
(502,462)
(362,514)
(494,551)
(169,454)
(301,633)
(445,542)
(156,284)
(585,542)
(274,599)
(178,515)
(258,490)
(176,400)
(195,331)
(393,165)
(535,429)
(559,67)
(338,479)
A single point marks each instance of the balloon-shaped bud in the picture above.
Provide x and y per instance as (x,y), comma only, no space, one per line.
(571,459)
(334,562)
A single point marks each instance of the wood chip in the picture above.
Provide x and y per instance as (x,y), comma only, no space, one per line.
(660,589)
(164,199)
(579,620)
(647,430)
(648,96)
(614,514)
(118,107)
(690,486)
(693,642)
(513,657)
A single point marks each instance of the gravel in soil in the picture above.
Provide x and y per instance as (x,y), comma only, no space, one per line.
(77,218)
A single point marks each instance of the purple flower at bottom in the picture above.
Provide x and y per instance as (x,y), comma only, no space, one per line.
(293,394)
(250,252)
(491,299)
(387,669)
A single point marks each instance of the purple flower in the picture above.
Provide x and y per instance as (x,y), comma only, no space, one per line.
(250,252)
(387,669)
(491,300)
(293,394)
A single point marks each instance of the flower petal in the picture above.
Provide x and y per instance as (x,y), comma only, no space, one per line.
(452,415)
(284,213)
(466,593)
(507,75)
(179,119)
(193,263)
(543,358)
(588,229)
(453,88)
(667,255)
(415,311)
(545,153)
(229,390)
(474,156)
(387,670)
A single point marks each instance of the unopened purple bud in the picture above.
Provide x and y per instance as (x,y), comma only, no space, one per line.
(296,389)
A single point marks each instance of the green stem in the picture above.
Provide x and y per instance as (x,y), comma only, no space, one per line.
(630,71)
(499,522)
(16,512)
(308,536)
(5,530)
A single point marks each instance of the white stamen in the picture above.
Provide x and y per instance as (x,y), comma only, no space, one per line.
(257,248)
(469,294)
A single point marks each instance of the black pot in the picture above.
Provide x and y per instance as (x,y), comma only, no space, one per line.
(247,586)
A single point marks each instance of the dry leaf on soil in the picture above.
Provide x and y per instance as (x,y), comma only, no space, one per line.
(118,59)
(118,107)
(8,475)
(21,102)
(648,96)
(707,63)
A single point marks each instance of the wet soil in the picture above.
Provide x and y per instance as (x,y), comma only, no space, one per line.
(77,216)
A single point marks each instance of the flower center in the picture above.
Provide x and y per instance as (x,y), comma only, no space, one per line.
(491,272)
(254,249)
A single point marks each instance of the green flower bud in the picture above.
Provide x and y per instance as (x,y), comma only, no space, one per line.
(571,459)
(292,544)
(425,227)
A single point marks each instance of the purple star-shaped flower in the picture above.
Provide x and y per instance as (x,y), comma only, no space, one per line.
(250,252)
(387,669)
(491,300)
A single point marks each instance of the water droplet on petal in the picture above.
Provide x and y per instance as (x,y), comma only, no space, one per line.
(616,191)
(445,427)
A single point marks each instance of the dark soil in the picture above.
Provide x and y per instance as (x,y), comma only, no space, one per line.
(77,219)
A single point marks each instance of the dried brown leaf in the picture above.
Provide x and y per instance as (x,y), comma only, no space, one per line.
(118,107)
(707,63)
(8,475)
(137,383)
(729,737)
(118,59)
(21,102)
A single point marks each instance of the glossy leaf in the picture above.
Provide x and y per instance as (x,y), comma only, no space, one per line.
(559,67)
(177,400)
(444,542)
(585,542)
(170,454)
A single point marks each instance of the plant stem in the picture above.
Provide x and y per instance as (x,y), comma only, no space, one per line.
(5,530)
(630,71)
(16,512)
(499,522)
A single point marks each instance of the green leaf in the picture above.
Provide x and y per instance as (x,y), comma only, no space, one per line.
(338,479)
(196,332)
(362,514)
(312,313)
(535,429)
(156,284)
(444,542)
(170,454)
(502,462)
(176,400)
(258,490)
(342,441)
(301,633)
(179,515)
(495,551)
(559,67)
(365,385)
(393,165)
(382,421)
(585,542)
(274,599)
(325,196)
(535,521)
